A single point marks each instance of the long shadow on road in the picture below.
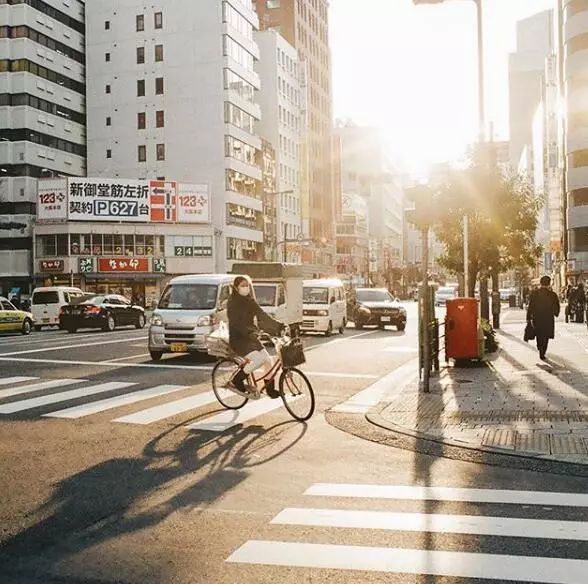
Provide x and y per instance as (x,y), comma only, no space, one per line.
(125,495)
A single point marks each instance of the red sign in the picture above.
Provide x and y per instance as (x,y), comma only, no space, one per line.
(162,198)
(51,265)
(123,265)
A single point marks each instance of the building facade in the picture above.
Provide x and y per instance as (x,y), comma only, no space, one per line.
(42,120)
(172,96)
(366,171)
(282,124)
(353,243)
(304,24)
(575,65)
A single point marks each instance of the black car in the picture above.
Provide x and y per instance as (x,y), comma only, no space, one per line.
(376,306)
(101,311)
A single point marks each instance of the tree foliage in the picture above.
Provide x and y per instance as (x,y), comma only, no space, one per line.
(503,217)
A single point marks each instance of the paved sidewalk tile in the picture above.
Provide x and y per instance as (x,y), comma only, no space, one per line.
(512,402)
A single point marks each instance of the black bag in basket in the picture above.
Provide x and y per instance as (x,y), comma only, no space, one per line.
(292,353)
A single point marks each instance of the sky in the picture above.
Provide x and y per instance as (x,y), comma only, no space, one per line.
(412,71)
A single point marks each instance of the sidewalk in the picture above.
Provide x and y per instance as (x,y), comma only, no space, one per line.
(511,404)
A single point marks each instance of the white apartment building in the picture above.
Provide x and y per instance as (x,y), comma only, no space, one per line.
(42,118)
(172,96)
(282,125)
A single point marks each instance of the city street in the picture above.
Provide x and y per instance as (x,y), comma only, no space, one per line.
(121,470)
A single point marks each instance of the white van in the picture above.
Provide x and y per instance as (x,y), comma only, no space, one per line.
(324,306)
(188,311)
(47,302)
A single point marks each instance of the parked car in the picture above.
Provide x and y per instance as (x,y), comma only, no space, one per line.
(376,306)
(47,302)
(443,294)
(14,320)
(101,311)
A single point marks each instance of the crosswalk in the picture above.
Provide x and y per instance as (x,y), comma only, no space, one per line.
(467,564)
(51,398)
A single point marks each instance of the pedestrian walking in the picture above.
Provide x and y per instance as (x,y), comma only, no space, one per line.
(541,313)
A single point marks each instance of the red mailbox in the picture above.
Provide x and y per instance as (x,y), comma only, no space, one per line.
(461,329)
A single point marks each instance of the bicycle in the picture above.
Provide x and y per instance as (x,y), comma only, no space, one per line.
(293,386)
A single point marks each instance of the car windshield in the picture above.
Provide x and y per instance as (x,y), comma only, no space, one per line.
(47,297)
(189,297)
(316,295)
(374,296)
(265,294)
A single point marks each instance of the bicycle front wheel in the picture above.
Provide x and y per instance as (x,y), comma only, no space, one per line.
(222,373)
(297,394)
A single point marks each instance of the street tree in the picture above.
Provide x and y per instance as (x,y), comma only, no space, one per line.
(503,213)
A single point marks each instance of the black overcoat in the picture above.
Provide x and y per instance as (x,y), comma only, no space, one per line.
(542,310)
(242,311)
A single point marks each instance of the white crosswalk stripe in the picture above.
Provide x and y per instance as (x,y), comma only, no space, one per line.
(38,387)
(430,562)
(12,380)
(36,402)
(115,402)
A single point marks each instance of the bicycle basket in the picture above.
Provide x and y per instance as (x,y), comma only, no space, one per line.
(292,353)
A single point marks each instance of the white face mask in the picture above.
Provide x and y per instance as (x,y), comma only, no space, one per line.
(244,290)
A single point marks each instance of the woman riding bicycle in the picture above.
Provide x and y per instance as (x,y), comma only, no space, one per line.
(242,310)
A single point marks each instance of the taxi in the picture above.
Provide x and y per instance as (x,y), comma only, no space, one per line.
(14,320)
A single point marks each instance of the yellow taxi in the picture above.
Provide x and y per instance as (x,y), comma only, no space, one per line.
(14,320)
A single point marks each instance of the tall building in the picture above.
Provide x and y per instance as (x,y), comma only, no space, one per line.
(172,96)
(575,70)
(535,43)
(282,125)
(366,171)
(304,24)
(42,119)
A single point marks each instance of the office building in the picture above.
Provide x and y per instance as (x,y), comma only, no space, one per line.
(42,120)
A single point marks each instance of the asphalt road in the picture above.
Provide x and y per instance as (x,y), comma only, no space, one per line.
(102,483)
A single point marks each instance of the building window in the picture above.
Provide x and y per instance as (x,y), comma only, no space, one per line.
(107,25)
(108,121)
(158,53)
(272,4)
(140,55)
(140,22)
(160,151)
(142,153)
(109,153)
(159,119)
(159,86)
(578,158)
(141,88)
(158,19)
(141,121)
(107,89)
(107,57)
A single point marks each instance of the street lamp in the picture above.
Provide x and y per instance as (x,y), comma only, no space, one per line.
(481,122)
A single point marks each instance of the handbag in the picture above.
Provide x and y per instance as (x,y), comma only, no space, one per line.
(292,353)
(529,332)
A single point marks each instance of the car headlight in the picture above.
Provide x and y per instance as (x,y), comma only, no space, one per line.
(364,310)
(323,313)
(156,320)
(204,321)
(403,311)
(305,313)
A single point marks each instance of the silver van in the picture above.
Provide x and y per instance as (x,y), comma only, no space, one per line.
(188,311)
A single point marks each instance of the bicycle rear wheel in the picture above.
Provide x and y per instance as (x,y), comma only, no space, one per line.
(222,373)
(297,394)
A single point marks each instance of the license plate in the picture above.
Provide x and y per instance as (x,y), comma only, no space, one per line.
(179,348)
(45,320)
(385,319)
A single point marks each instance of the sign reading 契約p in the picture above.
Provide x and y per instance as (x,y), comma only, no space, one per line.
(92,199)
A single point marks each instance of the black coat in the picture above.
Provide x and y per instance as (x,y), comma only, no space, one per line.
(242,312)
(542,310)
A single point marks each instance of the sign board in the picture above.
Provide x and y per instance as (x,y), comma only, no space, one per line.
(105,199)
(123,265)
(353,204)
(52,200)
(51,265)
(162,200)
(87,266)
(193,203)
(159,265)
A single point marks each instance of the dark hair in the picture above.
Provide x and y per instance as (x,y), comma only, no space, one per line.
(545,281)
(239,280)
